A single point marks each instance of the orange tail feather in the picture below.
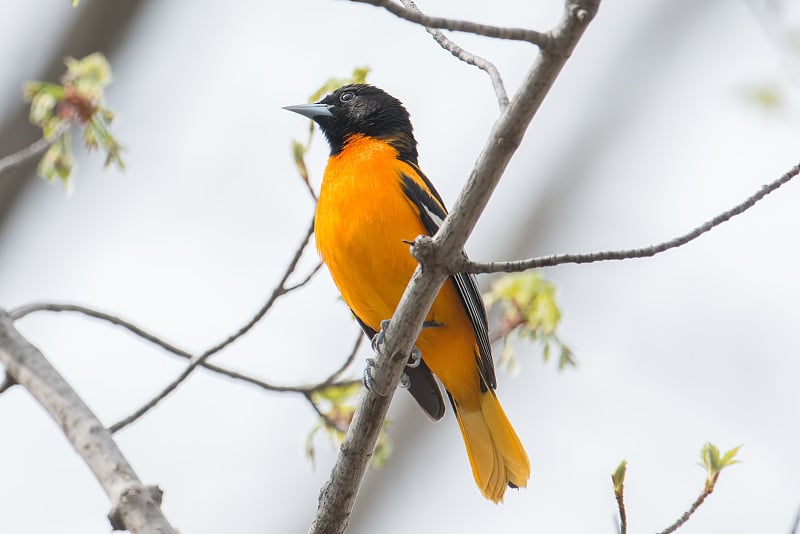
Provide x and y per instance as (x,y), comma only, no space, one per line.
(495,452)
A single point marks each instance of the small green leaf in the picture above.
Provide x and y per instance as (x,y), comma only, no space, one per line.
(90,139)
(713,464)
(566,358)
(43,105)
(360,75)
(728,457)
(309,445)
(90,74)
(298,154)
(331,84)
(618,477)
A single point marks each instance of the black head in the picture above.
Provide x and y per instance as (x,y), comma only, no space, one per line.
(360,109)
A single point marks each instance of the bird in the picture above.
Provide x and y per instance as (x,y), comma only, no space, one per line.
(373,201)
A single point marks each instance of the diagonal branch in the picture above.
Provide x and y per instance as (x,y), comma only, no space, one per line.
(464,265)
(32,151)
(134,506)
(198,360)
(467,57)
(28,309)
(339,493)
(542,40)
(688,513)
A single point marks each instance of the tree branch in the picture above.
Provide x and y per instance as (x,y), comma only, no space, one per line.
(198,360)
(623,516)
(692,509)
(30,152)
(464,265)
(338,495)
(134,506)
(467,57)
(542,40)
(28,309)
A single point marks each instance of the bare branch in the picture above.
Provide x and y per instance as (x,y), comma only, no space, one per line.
(542,40)
(279,290)
(305,280)
(467,57)
(623,516)
(27,309)
(135,507)
(350,357)
(692,509)
(30,152)
(339,493)
(464,265)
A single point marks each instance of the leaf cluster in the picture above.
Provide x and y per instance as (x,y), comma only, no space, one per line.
(528,306)
(78,99)
(336,405)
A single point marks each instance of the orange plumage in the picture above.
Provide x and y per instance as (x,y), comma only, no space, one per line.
(373,200)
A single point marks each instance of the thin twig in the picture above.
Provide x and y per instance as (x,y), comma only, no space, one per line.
(623,517)
(279,290)
(309,391)
(134,506)
(305,280)
(463,265)
(543,40)
(692,509)
(32,151)
(339,493)
(334,376)
(27,309)
(467,57)
(326,419)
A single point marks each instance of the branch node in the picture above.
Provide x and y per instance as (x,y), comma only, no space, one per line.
(133,497)
(8,383)
(424,250)
(428,253)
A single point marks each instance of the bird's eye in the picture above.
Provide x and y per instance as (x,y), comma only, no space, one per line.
(347,97)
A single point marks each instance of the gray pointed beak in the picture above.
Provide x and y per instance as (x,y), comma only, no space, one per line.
(312,111)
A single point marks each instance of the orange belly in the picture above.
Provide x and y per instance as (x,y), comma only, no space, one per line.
(362,221)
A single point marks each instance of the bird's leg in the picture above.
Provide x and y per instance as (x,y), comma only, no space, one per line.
(377,342)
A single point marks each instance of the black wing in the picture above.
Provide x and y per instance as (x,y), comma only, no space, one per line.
(432,213)
(423,388)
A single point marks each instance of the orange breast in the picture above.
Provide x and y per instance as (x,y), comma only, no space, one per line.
(362,220)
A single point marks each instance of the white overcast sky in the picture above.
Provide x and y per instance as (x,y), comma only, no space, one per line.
(646,134)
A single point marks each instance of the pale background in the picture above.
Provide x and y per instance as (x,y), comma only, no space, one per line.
(647,133)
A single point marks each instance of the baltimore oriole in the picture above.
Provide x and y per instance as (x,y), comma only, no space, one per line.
(375,199)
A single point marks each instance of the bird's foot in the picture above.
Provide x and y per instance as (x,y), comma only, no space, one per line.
(377,342)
